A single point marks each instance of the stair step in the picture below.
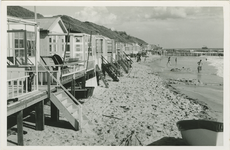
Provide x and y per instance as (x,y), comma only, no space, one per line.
(66,105)
(72,108)
(59,94)
(72,111)
(62,99)
(75,114)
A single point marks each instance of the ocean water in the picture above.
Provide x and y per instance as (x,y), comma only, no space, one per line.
(212,68)
(218,63)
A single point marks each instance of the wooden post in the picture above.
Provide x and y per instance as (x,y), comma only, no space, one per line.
(20,128)
(48,84)
(73,87)
(39,114)
(83,82)
(54,113)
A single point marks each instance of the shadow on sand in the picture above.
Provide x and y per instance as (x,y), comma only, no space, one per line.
(30,123)
(169,141)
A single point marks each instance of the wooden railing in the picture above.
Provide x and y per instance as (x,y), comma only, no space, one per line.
(112,67)
(60,72)
(23,84)
(19,83)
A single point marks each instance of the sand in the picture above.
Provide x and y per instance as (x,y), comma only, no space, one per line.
(140,109)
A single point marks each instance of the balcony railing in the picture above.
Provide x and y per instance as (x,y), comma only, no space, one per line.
(20,82)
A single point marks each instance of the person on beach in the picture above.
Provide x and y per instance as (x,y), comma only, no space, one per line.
(176,61)
(168,63)
(199,67)
(98,78)
(138,57)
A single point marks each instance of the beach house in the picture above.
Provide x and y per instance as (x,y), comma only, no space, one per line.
(22,73)
(22,55)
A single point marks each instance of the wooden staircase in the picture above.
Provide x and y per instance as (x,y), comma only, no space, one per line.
(70,107)
(98,70)
(110,69)
(71,111)
(125,63)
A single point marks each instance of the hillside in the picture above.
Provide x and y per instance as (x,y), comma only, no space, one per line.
(77,26)
(18,11)
(86,27)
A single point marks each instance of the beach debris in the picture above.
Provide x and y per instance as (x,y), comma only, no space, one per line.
(184,81)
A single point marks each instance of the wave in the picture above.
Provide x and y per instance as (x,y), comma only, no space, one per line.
(218,63)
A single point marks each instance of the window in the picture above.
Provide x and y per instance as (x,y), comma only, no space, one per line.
(79,56)
(78,48)
(109,46)
(19,44)
(50,48)
(53,44)
(99,45)
(30,43)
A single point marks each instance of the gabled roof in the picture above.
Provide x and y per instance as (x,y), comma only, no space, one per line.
(20,20)
(47,23)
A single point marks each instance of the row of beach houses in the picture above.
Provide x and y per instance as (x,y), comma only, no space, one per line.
(46,62)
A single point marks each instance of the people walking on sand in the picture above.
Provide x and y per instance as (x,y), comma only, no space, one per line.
(176,61)
(138,57)
(199,67)
(168,63)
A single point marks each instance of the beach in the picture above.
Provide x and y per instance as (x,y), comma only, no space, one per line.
(141,109)
(206,87)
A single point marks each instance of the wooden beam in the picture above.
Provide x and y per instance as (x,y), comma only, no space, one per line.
(27,101)
(54,113)
(83,82)
(39,114)
(20,127)
(73,87)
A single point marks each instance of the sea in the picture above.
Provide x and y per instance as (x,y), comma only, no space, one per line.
(214,49)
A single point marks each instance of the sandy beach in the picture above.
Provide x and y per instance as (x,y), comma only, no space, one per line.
(140,109)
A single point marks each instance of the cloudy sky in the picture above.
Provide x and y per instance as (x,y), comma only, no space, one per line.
(170,27)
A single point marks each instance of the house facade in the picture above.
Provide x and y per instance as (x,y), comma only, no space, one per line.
(22,56)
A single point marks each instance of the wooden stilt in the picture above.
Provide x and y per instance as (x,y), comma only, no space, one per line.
(83,82)
(73,87)
(39,114)
(20,128)
(54,112)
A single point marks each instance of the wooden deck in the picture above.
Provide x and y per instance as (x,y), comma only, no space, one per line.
(37,98)
(29,100)
(34,98)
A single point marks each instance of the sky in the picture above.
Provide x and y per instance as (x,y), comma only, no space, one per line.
(168,27)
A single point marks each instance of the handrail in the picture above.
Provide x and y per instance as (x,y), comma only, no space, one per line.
(62,86)
(71,73)
(127,56)
(103,59)
(18,78)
